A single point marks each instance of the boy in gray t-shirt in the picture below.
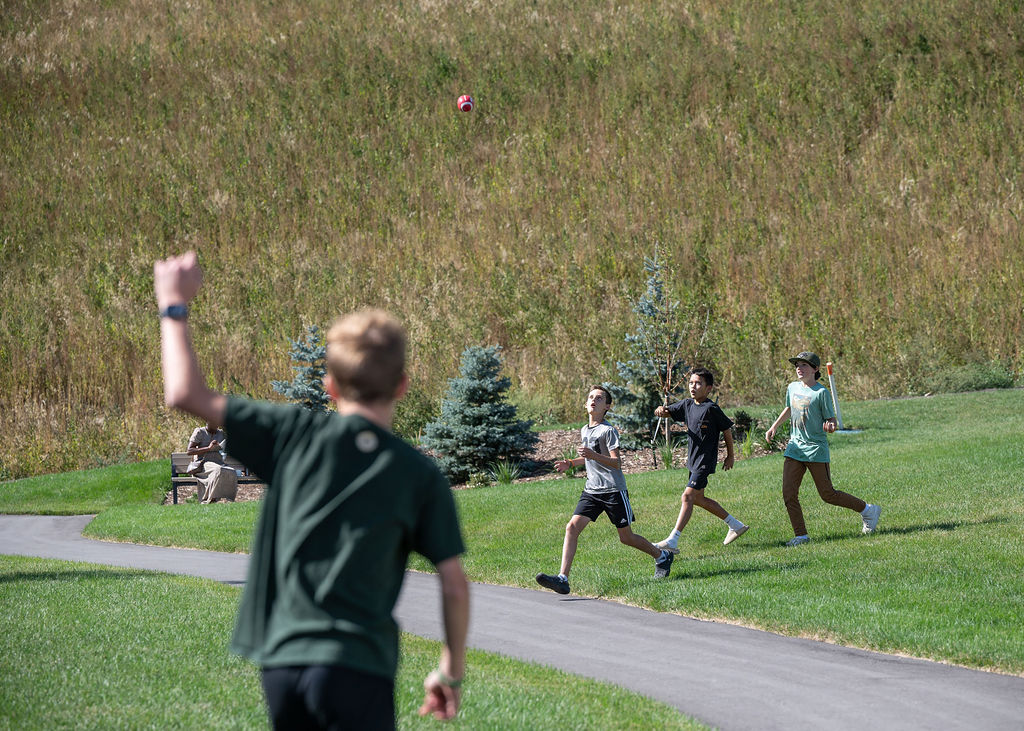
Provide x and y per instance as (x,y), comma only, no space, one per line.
(602,438)
(605,492)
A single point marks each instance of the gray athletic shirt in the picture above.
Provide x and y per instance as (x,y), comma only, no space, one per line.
(602,438)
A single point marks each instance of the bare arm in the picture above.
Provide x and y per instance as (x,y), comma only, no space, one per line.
(612,459)
(176,282)
(564,464)
(442,699)
(730,455)
(770,434)
(196,450)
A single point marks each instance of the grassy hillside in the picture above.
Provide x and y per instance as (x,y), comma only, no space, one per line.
(823,175)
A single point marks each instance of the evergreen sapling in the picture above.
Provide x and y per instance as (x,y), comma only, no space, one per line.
(654,369)
(309,361)
(477,426)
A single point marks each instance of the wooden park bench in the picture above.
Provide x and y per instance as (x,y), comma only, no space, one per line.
(181,460)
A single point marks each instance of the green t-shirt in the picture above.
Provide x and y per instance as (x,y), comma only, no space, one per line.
(346,503)
(809,407)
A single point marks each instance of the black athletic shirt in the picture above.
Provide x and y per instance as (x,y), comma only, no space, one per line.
(705,423)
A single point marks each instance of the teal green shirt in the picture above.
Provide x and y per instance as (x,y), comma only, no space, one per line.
(808,410)
(346,502)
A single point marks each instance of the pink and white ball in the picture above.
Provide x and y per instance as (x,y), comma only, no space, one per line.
(465,103)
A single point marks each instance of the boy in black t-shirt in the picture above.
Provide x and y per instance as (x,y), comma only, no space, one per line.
(705,422)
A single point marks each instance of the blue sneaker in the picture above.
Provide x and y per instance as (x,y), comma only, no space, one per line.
(555,583)
(663,564)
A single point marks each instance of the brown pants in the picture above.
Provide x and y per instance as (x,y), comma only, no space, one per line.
(793,473)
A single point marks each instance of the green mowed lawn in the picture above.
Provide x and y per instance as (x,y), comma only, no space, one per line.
(941,578)
(96,647)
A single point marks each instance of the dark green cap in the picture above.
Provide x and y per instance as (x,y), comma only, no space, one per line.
(808,357)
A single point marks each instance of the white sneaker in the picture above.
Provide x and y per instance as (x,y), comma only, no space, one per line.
(667,545)
(734,533)
(799,540)
(871,514)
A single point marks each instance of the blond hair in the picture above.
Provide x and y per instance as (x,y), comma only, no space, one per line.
(366,356)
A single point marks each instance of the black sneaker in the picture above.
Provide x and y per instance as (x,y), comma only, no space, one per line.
(555,583)
(663,564)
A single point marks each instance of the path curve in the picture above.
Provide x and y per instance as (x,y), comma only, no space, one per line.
(726,676)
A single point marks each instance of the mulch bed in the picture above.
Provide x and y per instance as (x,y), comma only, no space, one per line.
(248,491)
(550,448)
(554,444)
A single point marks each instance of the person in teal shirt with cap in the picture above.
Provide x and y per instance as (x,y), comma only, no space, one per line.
(809,407)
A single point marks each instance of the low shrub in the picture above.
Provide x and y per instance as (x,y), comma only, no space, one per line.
(976,376)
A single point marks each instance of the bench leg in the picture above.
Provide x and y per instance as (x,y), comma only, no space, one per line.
(174,489)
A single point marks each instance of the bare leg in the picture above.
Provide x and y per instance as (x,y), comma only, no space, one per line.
(689,500)
(573,529)
(637,541)
(712,506)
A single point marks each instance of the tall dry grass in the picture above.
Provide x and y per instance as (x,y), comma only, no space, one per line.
(841,177)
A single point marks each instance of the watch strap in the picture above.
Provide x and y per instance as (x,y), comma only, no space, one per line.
(175,312)
(446,680)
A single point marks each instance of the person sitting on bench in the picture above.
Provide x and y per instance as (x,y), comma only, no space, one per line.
(215,480)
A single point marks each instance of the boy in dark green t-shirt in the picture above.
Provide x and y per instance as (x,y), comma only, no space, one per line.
(346,502)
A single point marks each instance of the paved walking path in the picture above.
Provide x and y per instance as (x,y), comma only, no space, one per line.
(726,676)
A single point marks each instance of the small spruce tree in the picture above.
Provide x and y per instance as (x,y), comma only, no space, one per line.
(654,371)
(309,361)
(477,426)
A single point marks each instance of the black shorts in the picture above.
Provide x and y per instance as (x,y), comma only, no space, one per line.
(698,480)
(615,504)
(328,696)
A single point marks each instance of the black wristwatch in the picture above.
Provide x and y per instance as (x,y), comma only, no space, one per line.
(175,312)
